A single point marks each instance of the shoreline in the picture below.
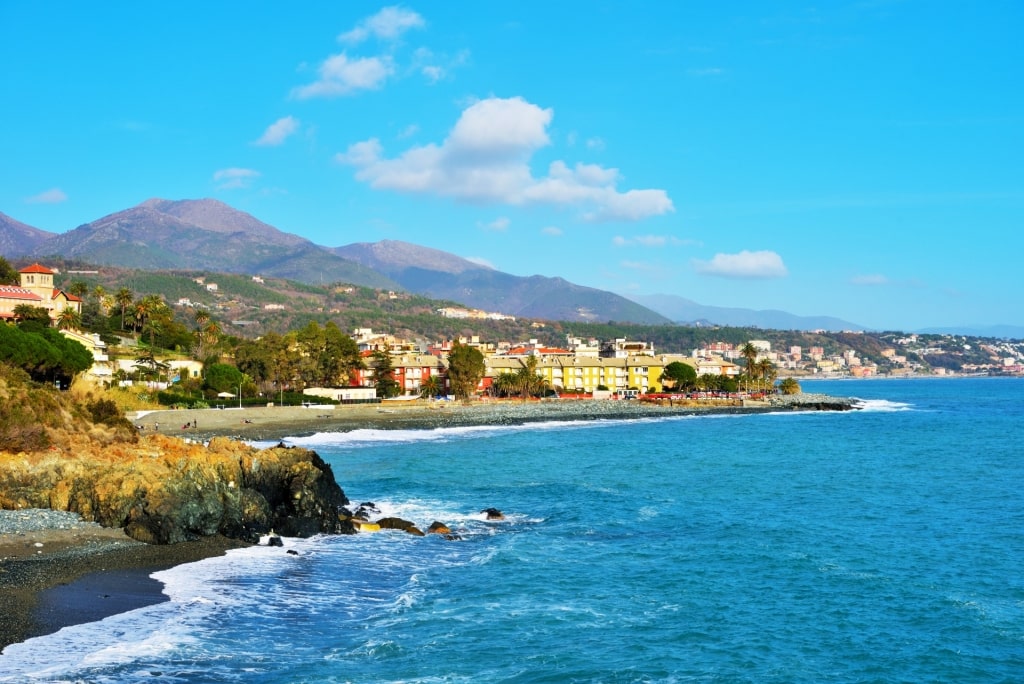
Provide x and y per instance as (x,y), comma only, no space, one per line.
(61,577)
(258,424)
(75,578)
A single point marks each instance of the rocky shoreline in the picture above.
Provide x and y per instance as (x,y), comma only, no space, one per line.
(42,549)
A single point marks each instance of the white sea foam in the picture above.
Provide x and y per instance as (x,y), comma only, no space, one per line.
(882,405)
(196,591)
(144,633)
(376,437)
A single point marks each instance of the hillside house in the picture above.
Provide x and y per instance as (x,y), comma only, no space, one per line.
(36,289)
(101,368)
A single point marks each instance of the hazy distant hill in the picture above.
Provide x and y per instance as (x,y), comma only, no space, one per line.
(441,275)
(203,234)
(1010,332)
(18,239)
(686,311)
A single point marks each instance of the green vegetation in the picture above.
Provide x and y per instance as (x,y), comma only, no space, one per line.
(43,353)
(36,416)
(465,369)
(8,274)
(384,376)
(679,376)
(302,339)
(789,386)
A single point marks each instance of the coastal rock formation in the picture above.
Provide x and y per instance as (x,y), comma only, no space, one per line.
(493,514)
(163,490)
(400,524)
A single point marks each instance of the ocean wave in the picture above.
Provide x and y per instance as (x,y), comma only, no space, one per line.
(361,438)
(375,437)
(882,405)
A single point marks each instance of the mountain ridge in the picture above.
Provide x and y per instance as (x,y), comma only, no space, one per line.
(202,234)
(14,235)
(442,275)
(162,234)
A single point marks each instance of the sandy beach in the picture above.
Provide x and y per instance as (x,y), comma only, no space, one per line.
(51,578)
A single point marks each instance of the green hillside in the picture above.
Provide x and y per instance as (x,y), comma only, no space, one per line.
(245,308)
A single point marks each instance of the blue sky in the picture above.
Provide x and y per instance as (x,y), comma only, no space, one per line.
(854,159)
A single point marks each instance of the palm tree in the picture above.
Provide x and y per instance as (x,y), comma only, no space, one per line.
(69,319)
(107,303)
(789,386)
(28,312)
(151,313)
(749,352)
(207,332)
(211,333)
(202,317)
(527,381)
(78,288)
(430,387)
(767,371)
(504,384)
(124,299)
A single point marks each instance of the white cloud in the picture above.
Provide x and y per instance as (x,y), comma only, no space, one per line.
(870,279)
(554,231)
(498,225)
(435,68)
(359,154)
(340,75)
(234,178)
(51,196)
(650,241)
(596,144)
(278,132)
(433,73)
(485,159)
(746,264)
(480,261)
(388,24)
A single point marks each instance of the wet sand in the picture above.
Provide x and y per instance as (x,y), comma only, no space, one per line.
(76,577)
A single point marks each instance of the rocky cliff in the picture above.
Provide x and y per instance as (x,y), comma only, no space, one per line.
(163,490)
(79,454)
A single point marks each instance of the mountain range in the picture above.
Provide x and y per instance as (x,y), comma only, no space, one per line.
(682,310)
(208,235)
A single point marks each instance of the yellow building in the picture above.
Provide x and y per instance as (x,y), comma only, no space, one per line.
(586,374)
(37,290)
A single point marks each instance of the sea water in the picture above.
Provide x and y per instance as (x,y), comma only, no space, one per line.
(883,544)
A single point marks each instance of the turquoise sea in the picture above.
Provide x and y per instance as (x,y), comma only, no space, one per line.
(878,545)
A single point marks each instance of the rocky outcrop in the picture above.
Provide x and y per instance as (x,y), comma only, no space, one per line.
(163,490)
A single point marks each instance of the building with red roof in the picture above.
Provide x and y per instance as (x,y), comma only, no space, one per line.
(36,289)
